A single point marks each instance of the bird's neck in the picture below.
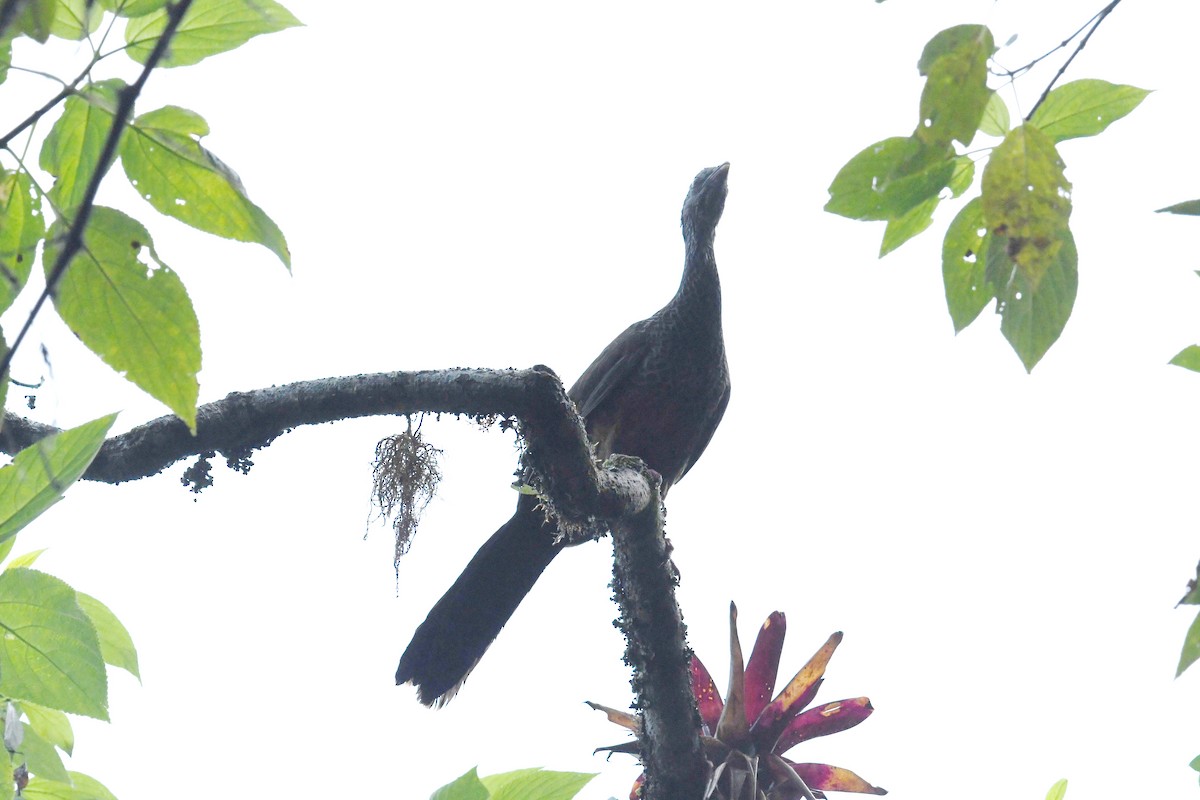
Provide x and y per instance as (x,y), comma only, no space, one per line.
(699,294)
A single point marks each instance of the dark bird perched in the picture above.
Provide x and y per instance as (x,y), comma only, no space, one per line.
(658,392)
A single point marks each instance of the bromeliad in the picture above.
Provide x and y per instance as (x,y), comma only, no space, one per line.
(746,735)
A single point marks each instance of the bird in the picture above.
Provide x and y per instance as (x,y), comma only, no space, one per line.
(658,391)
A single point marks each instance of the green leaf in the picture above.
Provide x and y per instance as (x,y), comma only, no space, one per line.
(116,645)
(905,227)
(1058,791)
(81,787)
(22,226)
(1085,107)
(51,724)
(1195,763)
(995,121)
(179,177)
(39,474)
(964,266)
(1188,358)
(43,760)
(536,784)
(135,315)
(49,651)
(6,546)
(132,8)
(963,177)
(71,152)
(1191,647)
(1034,315)
(956,92)
(466,787)
(208,28)
(75,19)
(35,20)
(5,57)
(890,178)
(1027,200)
(1190,207)
(25,559)
(6,768)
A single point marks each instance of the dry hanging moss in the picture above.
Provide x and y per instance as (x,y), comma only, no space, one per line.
(405,478)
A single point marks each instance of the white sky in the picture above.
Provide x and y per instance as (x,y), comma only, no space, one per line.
(484,185)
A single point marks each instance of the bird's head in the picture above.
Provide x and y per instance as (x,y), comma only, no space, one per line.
(705,201)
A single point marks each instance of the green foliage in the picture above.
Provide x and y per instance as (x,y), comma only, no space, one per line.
(39,474)
(209,27)
(1034,314)
(1188,358)
(166,163)
(1027,200)
(121,299)
(21,228)
(964,266)
(956,93)
(116,645)
(71,152)
(1058,791)
(1191,647)
(135,315)
(1085,108)
(1189,207)
(1012,243)
(890,178)
(50,724)
(522,784)
(41,756)
(77,787)
(50,653)
(1195,763)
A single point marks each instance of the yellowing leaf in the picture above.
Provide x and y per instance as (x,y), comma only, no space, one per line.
(1027,200)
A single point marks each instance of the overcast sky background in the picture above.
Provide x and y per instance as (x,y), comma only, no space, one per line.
(485,185)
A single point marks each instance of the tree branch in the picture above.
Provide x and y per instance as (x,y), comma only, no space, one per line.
(644,581)
(621,495)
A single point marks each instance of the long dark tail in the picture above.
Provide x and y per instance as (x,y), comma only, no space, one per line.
(463,624)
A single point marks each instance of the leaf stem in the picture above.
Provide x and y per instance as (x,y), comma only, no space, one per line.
(1095,23)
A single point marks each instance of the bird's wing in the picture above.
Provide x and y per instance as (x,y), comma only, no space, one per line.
(623,356)
(705,436)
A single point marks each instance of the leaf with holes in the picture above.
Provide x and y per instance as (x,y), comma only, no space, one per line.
(890,178)
(71,152)
(209,27)
(956,93)
(116,645)
(1027,200)
(168,166)
(964,266)
(1084,108)
(135,315)
(21,228)
(38,475)
(49,651)
(1034,315)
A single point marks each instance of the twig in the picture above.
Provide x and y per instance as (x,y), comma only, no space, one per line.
(1095,23)
(73,240)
